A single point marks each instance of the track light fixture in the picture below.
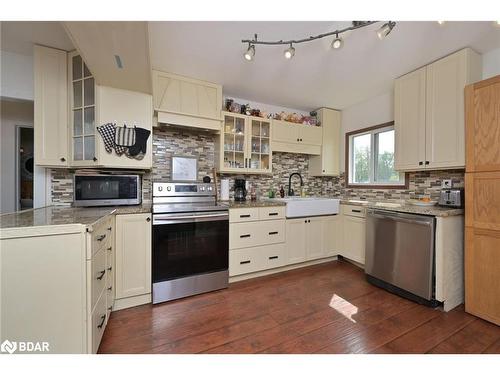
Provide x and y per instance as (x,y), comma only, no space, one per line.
(441,22)
(385,29)
(250,53)
(337,43)
(289,52)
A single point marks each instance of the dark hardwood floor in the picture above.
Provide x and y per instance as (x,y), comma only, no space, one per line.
(328,308)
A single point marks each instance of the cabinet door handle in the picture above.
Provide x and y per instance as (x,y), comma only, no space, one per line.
(110,288)
(298,139)
(101,275)
(244,236)
(426,162)
(103,318)
(273,214)
(245,262)
(148,219)
(110,228)
(273,257)
(271,233)
(244,216)
(110,248)
(94,158)
(110,308)
(110,269)
(63,159)
(101,237)
(420,163)
(301,139)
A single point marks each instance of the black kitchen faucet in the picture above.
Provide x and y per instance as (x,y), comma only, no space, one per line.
(290,190)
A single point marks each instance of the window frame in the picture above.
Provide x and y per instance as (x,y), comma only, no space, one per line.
(369,130)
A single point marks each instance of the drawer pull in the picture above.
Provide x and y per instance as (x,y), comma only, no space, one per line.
(271,233)
(110,288)
(244,236)
(101,237)
(110,248)
(273,257)
(243,216)
(110,268)
(273,214)
(245,262)
(110,308)
(358,211)
(101,275)
(103,318)
(109,228)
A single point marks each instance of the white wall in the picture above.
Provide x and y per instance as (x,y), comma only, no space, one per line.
(491,63)
(372,112)
(16,76)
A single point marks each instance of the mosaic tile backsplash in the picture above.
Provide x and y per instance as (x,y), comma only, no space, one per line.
(168,141)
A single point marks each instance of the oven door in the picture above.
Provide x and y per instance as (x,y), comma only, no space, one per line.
(187,244)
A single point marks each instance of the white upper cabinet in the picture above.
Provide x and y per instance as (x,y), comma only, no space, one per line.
(187,102)
(51,107)
(445,124)
(429,113)
(328,163)
(296,138)
(409,120)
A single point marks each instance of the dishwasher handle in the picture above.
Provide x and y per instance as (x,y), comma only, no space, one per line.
(401,217)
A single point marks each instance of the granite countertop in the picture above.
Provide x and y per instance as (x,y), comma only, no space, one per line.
(66,215)
(257,203)
(402,206)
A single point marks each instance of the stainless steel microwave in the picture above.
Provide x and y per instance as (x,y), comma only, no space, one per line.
(106,190)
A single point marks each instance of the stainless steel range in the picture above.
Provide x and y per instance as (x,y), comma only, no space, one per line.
(190,240)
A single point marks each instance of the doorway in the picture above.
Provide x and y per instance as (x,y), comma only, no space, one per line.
(24,167)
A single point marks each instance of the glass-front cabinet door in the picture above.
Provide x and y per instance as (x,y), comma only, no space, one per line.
(245,144)
(82,112)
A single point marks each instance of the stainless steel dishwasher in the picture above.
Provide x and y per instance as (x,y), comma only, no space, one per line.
(400,253)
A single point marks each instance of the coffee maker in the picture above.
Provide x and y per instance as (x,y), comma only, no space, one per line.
(240,191)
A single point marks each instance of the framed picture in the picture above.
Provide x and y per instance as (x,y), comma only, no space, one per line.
(184,168)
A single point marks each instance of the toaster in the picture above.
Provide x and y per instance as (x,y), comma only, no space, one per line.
(452,198)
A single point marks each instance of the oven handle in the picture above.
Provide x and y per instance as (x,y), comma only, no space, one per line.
(168,219)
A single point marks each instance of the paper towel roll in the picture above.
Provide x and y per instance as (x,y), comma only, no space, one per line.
(224,189)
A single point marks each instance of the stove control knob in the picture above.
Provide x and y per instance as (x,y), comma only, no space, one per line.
(169,188)
(210,188)
(160,188)
(202,188)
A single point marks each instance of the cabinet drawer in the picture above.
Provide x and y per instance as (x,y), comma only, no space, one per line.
(238,215)
(272,213)
(272,256)
(98,275)
(256,233)
(244,261)
(98,322)
(110,291)
(352,210)
(102,236)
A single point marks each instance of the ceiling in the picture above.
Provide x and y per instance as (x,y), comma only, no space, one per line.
(19,37)
(317,76)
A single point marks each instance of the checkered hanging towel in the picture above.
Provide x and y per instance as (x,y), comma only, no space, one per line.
(124,138)
(107,132)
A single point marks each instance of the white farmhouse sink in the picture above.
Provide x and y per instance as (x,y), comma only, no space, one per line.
(300,207)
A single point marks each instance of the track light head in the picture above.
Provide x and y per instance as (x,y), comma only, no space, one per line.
(289,52)
(337,43)
(441,23)
(385,29)
(250,52)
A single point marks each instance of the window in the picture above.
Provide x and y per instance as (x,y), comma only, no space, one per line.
(370,158)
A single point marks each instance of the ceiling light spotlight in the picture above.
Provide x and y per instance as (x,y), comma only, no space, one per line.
(385,29)
(289,52)
(441,23)
(250,53)
(337,42)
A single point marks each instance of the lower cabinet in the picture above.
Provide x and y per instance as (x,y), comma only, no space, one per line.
(296,240)
(133,260)
(354,218)
(333,235)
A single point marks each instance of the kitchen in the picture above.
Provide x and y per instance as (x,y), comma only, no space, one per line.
(177,216)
